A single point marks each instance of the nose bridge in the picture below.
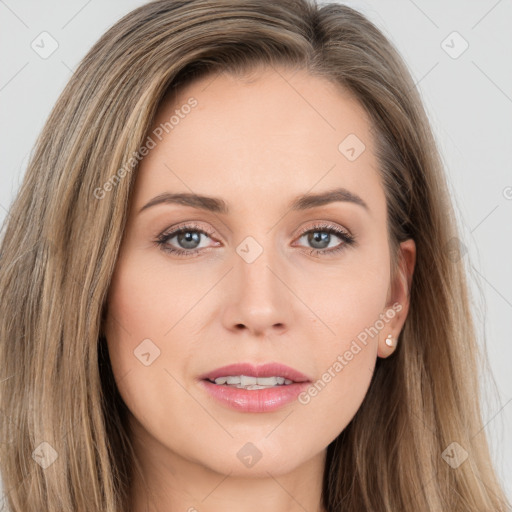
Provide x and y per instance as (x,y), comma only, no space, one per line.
(261,300)
(255,259)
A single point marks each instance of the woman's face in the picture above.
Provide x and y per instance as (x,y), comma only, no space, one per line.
(259,275)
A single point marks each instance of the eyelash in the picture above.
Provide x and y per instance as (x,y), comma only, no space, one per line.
(162,240)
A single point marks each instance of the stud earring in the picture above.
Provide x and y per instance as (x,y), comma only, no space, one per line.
(389,340)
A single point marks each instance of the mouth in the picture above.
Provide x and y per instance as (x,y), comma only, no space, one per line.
(257,389)
(249,376)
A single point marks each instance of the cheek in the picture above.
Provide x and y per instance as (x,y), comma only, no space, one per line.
(146,300)
(347,297)
(349,315)
(147,314)
(143,308)
(345,363)
(138,316)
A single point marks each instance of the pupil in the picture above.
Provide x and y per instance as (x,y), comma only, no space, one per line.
(319,236)
(187,238)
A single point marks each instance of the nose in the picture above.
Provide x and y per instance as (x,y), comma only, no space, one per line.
(259,299)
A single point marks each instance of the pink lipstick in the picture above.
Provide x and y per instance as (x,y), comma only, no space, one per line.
(249,388)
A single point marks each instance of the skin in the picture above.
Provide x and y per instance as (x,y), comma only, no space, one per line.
(257,144)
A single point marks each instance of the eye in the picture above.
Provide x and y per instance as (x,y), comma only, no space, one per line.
(188,237)
(320,237)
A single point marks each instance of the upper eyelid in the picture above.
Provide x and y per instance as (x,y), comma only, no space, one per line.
(187,226)
(324,225)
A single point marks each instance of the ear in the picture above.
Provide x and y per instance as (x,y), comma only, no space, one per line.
(397,302)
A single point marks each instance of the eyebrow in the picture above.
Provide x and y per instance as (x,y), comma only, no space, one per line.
(217,205)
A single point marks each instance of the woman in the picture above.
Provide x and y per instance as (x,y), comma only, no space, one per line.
(230,278)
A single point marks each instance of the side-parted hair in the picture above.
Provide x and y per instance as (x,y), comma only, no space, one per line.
(64,439)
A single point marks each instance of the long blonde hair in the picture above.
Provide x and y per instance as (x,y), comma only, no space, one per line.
(64,439)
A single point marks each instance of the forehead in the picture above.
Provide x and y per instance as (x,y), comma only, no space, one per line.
(280,133)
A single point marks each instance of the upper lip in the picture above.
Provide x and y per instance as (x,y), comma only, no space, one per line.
(263,370)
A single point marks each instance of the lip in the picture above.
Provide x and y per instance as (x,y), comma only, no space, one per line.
(263,370)
(255,400)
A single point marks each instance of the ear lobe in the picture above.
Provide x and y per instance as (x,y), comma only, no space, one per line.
(387,344)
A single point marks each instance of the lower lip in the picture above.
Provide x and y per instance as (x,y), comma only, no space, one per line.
(255,400)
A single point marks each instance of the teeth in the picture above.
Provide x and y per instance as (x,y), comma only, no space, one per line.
(249,382)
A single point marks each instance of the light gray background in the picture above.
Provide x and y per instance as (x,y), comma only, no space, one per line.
(468,98)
